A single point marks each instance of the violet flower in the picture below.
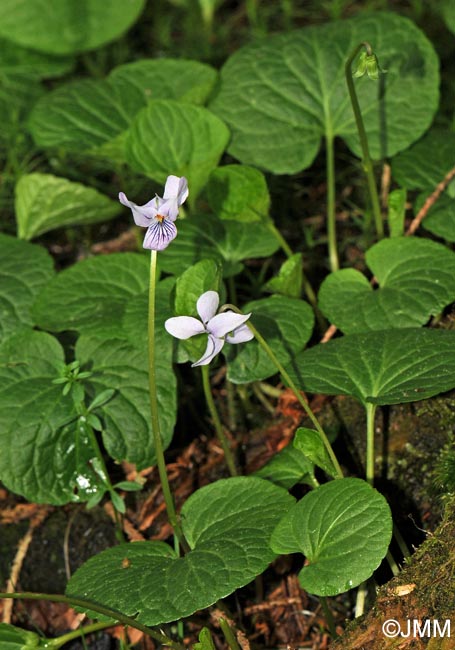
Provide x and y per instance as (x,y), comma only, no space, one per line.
(159,214)
(227,327)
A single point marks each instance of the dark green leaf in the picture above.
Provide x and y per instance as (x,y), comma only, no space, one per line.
(288,467)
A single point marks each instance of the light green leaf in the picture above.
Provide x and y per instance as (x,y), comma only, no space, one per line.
(238,192)
(226,242)
(416,279)
(205,640)
(281,96)
(425,164)
(289,279)
(288,467)
(310,444)
(116,364)
(170,137)
(25,269)
(45,202)
(343,528)
(65,26)
(285,323)
(396,212)
(92,295)
(388,367)
(196,280)
(228,526)
(13,638)
(49,462)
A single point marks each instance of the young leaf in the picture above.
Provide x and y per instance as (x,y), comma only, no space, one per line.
(285,323)
(309,443)
(283,95)
(288,467)
(196,280)
(289,279)
(228,526)
(416,280)
(169,136)
(343,528)
(238,192)
(25,269)
(396,212)
(388,367)
(205,640)
(93,294)
(63,27)
(45,202)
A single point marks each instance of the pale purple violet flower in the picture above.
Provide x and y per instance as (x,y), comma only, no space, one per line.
(159,214)
(227,327)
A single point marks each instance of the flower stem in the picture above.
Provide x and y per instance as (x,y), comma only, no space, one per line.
(81,632)
(100,609)
(217,422)
(371,411)
(331,208)
(167,495)
(367,163)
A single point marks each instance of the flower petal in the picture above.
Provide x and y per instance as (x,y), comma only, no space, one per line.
(159,235)
(241,334)
(207,305)
(228,321)
(183,327)
(176,187)
(142,214)
(214,346)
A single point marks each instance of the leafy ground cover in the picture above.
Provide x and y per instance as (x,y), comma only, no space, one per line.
(227,352)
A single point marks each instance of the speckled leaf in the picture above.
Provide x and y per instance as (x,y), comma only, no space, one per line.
(416,280)
(169,137)
(343,528)
(24,270)
(117,365)
(228,526)
(285,323)
(93,294)
(45,202)
(226,242)
(49,461)
(65,26)
(238,192)
(387,367)
(281,96)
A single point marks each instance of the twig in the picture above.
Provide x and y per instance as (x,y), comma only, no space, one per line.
(431,200)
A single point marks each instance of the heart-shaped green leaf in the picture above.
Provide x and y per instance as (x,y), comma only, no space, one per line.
(343,528)
(117,365)
(228,526)
(387,367)
(173,137)
(92,295)
(281,96)
(286,468)
(226,242)
(24,270)
(285,323)
(49,461)
(63,26)
(238,192)
(45,202)
(416,279)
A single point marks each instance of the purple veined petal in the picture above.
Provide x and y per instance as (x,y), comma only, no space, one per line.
(207,305)
(184,327)
(159,235)
(142,214)
(241,334)
(214,346)
(224,323)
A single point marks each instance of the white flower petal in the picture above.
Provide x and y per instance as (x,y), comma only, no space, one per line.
(176,188)
(159,235)
(224,323)
(241,334)
(207,305)
(142,214)
(213,347)
(183,327)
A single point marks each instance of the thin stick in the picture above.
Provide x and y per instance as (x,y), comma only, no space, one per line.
(431,200)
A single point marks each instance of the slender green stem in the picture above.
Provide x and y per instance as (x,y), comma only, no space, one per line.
(328,616)
(370,411)
(100,609)
(367,163)
(229,634)
(331,207)
(82,631)
(230,462)
(167,495)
